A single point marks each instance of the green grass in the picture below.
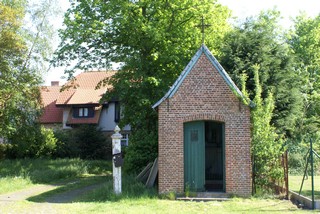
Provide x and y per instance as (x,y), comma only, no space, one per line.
(131,189)
(9,184)
(76,184)
(153,205)
(27,172)
(135,198)
(295,183)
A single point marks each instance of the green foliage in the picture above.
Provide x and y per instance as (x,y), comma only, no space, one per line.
(19,94)
(153,40)
(142,150)
(22,51)
(47,171)
(304,39)
(32,141)
(92,143)
(84,141)
(267,146)
(260,40)
(4,150)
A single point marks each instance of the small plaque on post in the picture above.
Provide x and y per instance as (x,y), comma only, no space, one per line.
(118,160)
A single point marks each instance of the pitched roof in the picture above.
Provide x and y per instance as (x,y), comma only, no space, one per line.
(202,50)
(51,114)
(82,89)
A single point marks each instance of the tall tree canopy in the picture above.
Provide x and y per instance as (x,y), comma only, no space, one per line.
(153,40)
(21,44)
(18,92)
(305,42)
(260,40)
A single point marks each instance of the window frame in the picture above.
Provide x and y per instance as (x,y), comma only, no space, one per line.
(83,112)
(117,112)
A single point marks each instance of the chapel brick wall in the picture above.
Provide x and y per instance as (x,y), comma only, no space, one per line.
(204,95)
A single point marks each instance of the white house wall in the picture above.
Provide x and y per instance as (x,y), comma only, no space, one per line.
(66,112)
(106,122)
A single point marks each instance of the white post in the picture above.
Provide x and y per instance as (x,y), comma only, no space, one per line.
(116,149)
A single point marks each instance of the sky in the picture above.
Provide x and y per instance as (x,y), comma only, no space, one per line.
(240,9)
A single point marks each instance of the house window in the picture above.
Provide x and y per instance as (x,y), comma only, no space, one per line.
(125,140)
(83,112)
(116,112)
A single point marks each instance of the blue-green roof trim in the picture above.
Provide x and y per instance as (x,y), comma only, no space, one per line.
(188,68)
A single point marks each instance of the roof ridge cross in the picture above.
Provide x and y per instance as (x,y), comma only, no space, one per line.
(202,26)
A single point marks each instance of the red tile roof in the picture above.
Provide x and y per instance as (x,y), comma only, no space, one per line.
(51,114)
(81,90)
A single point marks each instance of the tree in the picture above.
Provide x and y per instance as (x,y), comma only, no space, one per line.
(18,95)
(20,103)
(305,42)
(267,145)
(153,41)
(260,40)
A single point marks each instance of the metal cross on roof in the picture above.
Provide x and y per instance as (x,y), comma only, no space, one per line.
(203,26)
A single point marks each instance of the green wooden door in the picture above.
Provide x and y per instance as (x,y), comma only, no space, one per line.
(194,155)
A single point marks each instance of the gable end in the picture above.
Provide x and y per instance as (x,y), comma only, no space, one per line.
(188,68)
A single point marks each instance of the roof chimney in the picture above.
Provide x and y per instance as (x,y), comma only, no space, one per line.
(54,83)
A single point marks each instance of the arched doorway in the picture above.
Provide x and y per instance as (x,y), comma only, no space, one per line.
(204,168)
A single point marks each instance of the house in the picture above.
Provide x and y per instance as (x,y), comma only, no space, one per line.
(204,131)
(79,103)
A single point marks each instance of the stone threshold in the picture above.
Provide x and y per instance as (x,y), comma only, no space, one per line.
(207,196)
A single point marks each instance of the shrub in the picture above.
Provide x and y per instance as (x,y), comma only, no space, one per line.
(91,141)
(4,148)
(84,141)
(142,150)
(66,145)
(32,141)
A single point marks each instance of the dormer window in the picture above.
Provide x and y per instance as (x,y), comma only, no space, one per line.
(83,112)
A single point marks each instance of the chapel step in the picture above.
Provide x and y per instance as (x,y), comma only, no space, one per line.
(207,196)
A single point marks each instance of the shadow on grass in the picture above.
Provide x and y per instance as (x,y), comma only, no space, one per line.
(131,189)
(67,192)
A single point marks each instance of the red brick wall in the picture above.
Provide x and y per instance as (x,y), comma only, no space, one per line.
(204,95)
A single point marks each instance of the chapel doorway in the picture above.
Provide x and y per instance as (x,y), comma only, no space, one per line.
(204,156)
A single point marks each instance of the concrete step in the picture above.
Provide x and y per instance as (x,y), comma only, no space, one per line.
(207,196)
(201,199)
(212,195)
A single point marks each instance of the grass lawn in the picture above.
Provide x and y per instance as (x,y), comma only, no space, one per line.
(149,205)
(295,183)
(135,198)
(23,173)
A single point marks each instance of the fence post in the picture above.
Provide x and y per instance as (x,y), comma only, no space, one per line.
(116,150)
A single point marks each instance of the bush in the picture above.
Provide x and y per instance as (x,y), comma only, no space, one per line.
(32,141)
(141,151)
(66,145)
(84,141)
(4,148)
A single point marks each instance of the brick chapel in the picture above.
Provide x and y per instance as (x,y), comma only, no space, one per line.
(204,131)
